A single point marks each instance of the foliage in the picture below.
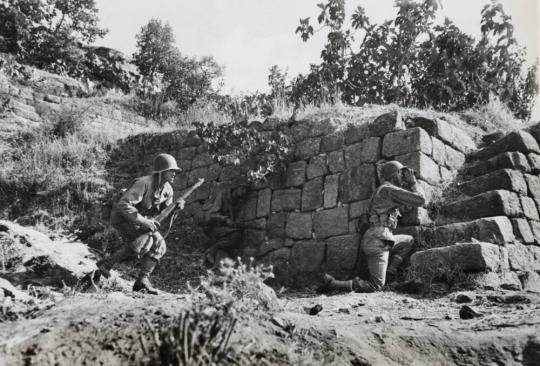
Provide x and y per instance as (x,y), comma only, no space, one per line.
(414,62)
(262,152)
(49,33)
(168,75)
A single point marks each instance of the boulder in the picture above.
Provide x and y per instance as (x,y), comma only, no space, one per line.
(515,141)
(332,222)
(507,160)
(299,225)
(386,123)
(490,229)
(492,203)
(406,141)
(510,180)
(468,257)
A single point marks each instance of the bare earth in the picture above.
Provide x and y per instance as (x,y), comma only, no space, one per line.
(352,329)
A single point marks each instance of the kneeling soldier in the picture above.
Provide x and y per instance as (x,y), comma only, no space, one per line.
(145,197)
(384,250)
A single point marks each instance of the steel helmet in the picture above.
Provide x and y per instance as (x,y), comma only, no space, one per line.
(164,162)
(390,168)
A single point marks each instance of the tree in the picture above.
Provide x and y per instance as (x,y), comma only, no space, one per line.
(49,33)
(155,48)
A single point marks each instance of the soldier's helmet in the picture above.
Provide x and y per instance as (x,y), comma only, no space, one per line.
(164,162)
(391,168)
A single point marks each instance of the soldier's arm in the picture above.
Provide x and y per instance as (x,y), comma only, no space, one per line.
(133,196)
(404,197)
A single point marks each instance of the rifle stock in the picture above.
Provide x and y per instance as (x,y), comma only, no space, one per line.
(162,216)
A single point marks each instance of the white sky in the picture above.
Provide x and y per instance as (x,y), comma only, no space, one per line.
(249,36)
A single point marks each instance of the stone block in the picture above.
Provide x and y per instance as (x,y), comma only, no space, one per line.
(529,208)
(510,180)
(52,99)
(312,194)
(336,161)
(534,162)
(332,142)
(508,160)
(249,209)
(426,189)
(308,148)
(185,165)
(286,199)
(355,133)
(341,252)
(366,151)
(264,202)
(192,139)
(406,141)
(269,245)
(535,228)
(356,209)
(439,151)
(524,257)
(417,232)
(416,216)
(357,183)
(426,168)
(492,203)
(331,222)
(253,238)
(299,225)
(296,173)
(454,158)
(492,280)
(353,226)
(308,255)
(533,183)
(316,167)
(445,132)
(275,225)
(331,188)
(257,224)
(304,129)
(535,131)
(523,230)
(447,174)
(515,141)
(497,230)
(386,123)
(530,281)
(180,181)
(468,257)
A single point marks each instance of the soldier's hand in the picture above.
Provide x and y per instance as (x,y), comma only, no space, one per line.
(408,176)
(150,224)
(181,204)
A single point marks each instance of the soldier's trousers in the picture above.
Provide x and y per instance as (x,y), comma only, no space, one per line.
(382,257)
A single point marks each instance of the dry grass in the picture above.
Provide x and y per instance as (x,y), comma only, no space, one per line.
(493,116)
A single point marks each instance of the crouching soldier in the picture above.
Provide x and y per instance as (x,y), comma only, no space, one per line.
(384,250)
(220,218)
(145,197)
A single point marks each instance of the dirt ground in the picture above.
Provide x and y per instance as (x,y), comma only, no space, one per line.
(351,329)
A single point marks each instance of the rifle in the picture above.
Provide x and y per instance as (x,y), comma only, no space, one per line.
(162,216)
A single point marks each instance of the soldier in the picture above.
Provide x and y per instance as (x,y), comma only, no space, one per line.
(220,218)
(384,250)
(145,197)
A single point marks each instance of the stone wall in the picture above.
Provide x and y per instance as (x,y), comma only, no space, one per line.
(304,220)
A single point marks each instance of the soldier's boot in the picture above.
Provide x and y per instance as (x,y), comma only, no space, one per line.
(143,281)
(105,265)
(391,272)
(331,284)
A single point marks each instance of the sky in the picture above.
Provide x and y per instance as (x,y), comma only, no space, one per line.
(247,37)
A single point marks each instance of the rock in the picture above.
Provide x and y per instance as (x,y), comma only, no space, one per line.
(280,259)
(439,151)
(332,142)
(249,209)
(308,148)
(523,229)
(299,225)
(336,161)
(406,141)
(312,194)
(468,257)
(454,158)
(524,258)
(8,290)
(267,298)
(529,208)
(530,281)
(315,309)
(467,312)
(515,141)
(426,168)
(355,133)
(357,183)
(507,160)
(535,228)
(510,180)
(533,183)
(534,161)
(462,298)
(492,203)
(296,173)
(366,151)
(341,253)
(202,159)
(492,137)
(445,132)
(356,209)
(308,255)
(52,99)
(264,202)
(286,199)
(316,167)
(272,123)
(275,225)
(386,123)
(491,229)
(380,319)
(331,222)
(331,189)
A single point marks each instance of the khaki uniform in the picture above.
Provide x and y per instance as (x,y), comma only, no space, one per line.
(379,243)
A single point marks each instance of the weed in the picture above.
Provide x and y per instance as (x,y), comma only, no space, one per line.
(10,254)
